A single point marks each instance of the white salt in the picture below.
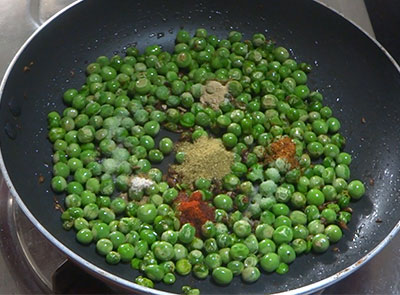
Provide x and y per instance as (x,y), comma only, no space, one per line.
(140,183)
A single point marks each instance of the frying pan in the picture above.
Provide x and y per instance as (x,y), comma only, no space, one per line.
(358,78)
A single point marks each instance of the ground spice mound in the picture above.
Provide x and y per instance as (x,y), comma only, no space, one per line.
(284,148)
(214,94)
(194,210)
(205,158)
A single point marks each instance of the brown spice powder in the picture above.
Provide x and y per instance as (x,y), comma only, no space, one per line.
(205,158)
(284,148)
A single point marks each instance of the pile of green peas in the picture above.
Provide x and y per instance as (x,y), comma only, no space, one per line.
(266,215)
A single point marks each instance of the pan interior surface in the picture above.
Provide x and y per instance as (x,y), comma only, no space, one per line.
(358,81)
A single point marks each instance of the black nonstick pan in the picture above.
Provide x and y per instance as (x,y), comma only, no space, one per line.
(358,78)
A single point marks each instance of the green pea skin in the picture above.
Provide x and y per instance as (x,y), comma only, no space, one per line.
(282,220)
(117,238)
(230,181)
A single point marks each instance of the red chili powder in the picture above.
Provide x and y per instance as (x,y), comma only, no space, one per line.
(194,210)
(285,148)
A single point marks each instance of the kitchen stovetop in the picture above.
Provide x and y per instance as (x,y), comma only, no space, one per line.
(30,264)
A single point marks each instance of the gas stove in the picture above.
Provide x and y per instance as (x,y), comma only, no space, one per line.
(30,264)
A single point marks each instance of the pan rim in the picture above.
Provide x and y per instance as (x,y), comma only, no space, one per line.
(112,278)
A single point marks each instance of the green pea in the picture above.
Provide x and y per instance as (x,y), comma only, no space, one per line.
(356,189)
(147,213)
(282,234)
(239,251)
(270,262)
(155,156)
(223,201)
(208,229)
(183,267)
(144,282)
(230,182)
(84,236)
(59,184)
(222,275)
(117,238)
(282,268)
(315,227)
(210,245)
(104,246)
(266,246)
(187,120)
(320,243)
(280,209)
(265,231)
(186,233)
(154,272)
(166,145)
(242,228)
(180,251)
(113,257)
(236,267)
(298,217)
(315,197)
(229,140)
(333,232)
(286,253)
(200,271)
(329,215)
(169,279)
(250,274)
